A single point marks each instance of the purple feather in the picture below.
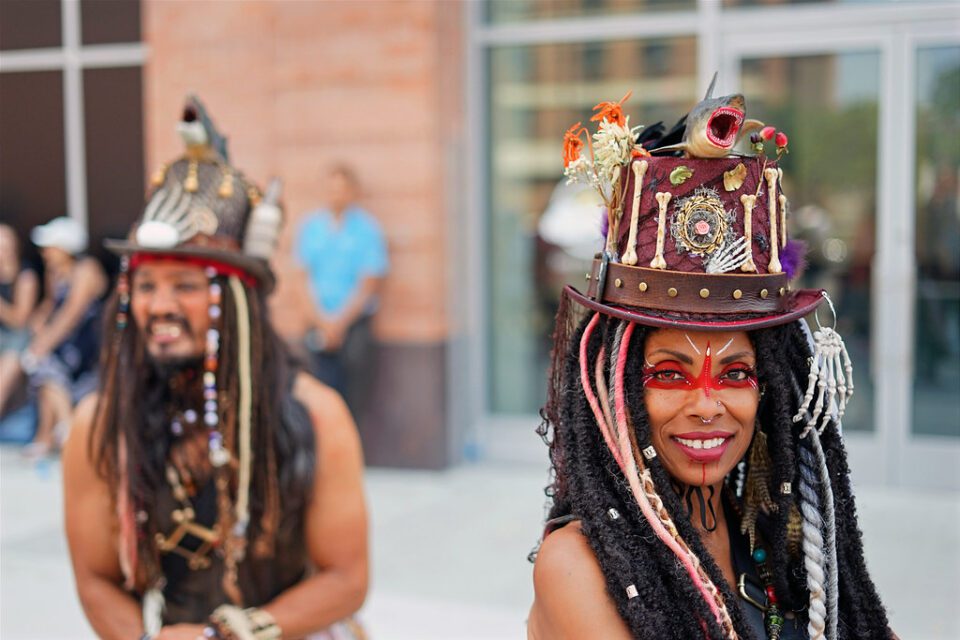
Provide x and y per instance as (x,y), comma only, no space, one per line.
(793,258)
(604,222)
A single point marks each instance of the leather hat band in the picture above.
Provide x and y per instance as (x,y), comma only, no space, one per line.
(720,293)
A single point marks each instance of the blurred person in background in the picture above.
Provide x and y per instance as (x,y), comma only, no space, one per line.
(60,360)
(344,253)
(19,290)
(211,489)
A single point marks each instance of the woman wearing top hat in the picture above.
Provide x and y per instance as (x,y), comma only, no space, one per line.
(701,486)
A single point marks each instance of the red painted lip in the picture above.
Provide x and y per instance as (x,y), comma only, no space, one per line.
(703,455)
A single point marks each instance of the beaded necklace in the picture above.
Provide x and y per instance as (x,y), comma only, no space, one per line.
(219,456)
(772,616)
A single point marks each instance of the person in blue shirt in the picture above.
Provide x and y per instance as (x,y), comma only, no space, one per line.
(343,251)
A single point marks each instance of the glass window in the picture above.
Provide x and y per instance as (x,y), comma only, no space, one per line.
(507,11)
(29,24)
(536,93)
(827,105)
(32,176)
(773,3)
(936,402)
(113,124)
(110,21)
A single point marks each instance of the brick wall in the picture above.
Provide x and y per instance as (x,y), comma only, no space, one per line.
(299,85)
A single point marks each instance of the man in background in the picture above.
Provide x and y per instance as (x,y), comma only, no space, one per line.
(343,251)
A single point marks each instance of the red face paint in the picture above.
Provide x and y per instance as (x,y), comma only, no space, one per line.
(670,375)
(705,380)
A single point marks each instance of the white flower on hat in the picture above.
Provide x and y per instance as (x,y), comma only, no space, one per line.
(580,170)
(612,146)
(62,233)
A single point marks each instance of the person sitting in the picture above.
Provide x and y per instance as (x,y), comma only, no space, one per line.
(60,361)
(19,291)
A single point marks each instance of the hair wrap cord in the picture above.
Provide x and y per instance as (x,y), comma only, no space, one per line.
(614,359)
(602,389)
(830,535)
(813,552)
(814,464)
(127,520)
(588,390)
(242,508)
(660,520)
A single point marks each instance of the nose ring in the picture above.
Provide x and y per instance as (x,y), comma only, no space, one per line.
(705,420)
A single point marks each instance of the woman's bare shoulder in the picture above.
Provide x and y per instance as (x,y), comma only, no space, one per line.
(571,599)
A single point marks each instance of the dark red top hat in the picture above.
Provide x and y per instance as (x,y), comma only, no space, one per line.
(696,243)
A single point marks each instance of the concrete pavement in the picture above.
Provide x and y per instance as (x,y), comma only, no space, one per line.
(449,554)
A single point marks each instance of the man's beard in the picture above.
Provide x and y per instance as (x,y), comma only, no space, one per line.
(166,368)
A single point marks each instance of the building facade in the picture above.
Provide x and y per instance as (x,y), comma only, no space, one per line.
(452,114)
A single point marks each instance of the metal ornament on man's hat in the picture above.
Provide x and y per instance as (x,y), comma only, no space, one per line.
(202,207)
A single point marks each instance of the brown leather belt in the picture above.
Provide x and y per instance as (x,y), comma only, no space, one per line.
(691,292)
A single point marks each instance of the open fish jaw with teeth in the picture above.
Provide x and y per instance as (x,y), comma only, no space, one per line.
(714,126)
(723,126)
(701,444)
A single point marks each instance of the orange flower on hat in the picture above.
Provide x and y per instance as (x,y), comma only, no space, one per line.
(611,111)
(572,145)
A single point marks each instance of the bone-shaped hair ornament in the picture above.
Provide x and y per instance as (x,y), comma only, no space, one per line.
(663,199)
(639,171)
